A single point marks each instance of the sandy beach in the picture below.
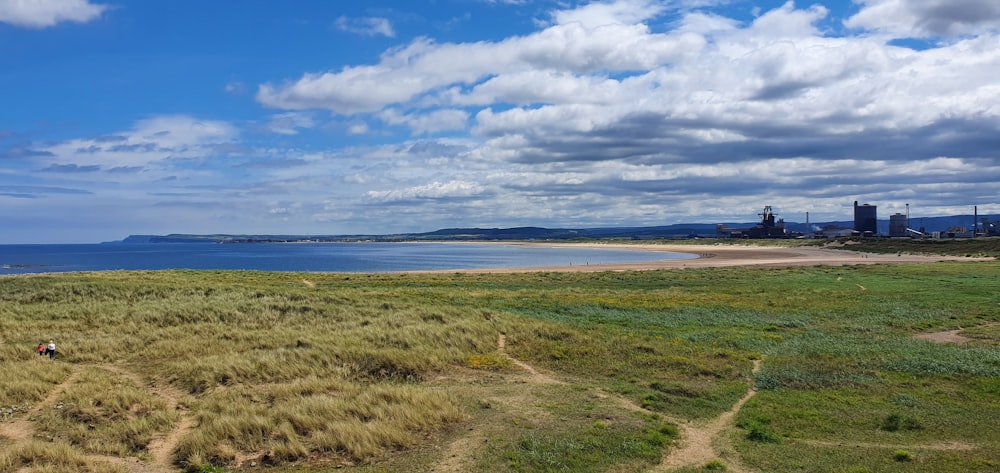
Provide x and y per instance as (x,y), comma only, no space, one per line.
(709,256)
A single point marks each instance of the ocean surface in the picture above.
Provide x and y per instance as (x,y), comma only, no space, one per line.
(309,257)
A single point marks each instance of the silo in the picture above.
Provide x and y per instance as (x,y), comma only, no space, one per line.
(898,225)
(865,218)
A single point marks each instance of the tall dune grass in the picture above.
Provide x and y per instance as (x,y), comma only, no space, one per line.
(348,368)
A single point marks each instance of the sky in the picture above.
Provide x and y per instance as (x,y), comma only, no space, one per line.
(315,117)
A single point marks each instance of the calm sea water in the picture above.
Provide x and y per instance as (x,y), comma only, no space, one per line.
(318,257)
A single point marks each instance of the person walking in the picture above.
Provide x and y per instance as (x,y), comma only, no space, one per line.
(41,349)
(51,350)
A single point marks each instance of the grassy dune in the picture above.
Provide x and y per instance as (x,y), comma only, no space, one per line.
(231,371)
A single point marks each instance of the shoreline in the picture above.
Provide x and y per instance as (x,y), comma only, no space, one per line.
(713,255)
(717,256)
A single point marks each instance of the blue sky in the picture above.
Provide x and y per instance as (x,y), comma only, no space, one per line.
(127,117)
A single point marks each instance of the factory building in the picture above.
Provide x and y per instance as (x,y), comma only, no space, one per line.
(865,219)
(898,224)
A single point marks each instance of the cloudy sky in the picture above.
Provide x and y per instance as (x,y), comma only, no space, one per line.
(123,117)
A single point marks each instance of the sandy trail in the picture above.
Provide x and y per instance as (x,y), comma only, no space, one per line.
(159,448)
(536,377)
(456,455)
(23,429)
(161,445)
(701,441)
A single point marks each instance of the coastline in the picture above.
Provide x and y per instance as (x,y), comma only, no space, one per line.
(717,256)
(692,254)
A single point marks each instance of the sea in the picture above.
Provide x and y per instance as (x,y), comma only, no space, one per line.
(311,257)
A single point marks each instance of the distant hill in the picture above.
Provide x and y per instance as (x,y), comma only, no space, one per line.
(681,230)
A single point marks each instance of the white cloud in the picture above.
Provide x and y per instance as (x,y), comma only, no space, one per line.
(235,88)
(358,129)
(423,66)
(368,26)
(595,121)
(623,12)
(539,86)
(289,123)
(433,122)
(433,190)
(927,18)
(150,140)
(47,13)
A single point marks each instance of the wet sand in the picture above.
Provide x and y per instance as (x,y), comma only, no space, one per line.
(713,256)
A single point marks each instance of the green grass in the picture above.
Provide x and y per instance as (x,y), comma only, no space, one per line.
(381,372)
(947,246)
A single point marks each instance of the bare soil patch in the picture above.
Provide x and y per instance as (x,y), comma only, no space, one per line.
(939,446)
(948,336)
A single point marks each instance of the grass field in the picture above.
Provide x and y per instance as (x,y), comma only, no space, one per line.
(602,372)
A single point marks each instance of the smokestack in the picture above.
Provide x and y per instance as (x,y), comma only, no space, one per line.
(975,220)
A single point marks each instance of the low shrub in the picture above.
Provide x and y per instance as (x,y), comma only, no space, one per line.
(715,465)
(895,422)
(761,434)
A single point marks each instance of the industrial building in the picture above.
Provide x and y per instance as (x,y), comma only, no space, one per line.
(865,219)
(865,225)
(898,225)
(769,227)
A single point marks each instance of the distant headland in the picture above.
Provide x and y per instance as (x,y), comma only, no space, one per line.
(674,231)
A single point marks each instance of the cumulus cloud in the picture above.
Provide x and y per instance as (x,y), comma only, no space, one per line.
(424,66)
(597,14)
(432,122)
(47,13)
(617,112)
(927,18)
(774,107)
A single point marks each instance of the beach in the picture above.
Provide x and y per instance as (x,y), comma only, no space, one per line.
(714,256)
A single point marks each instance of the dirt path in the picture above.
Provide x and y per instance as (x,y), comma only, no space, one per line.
(701,442)
(536,377)
(159,448)
(161,445)
(456,455)
(23,428)
(939,446)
